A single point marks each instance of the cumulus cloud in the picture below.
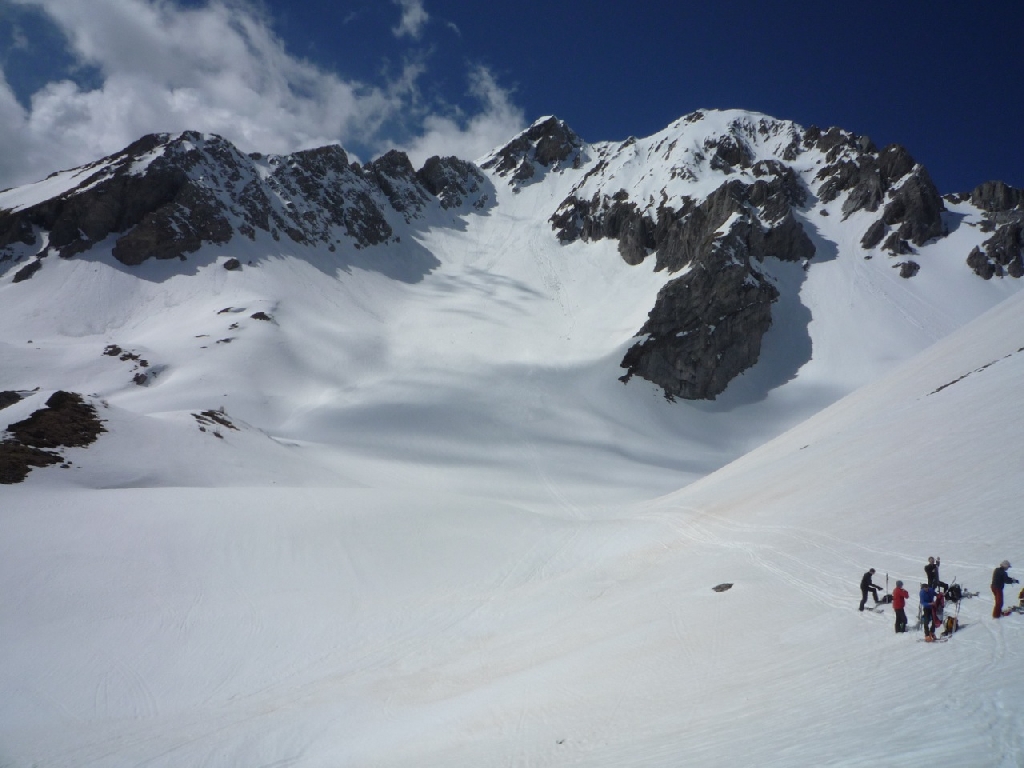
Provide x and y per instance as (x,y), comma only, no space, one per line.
(218,68)
(414,17)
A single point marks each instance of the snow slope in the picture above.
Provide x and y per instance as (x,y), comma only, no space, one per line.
(441,531)
(374,627)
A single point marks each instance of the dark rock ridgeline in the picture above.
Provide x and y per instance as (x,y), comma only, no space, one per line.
(1003,253)
(67,421)
(912,212)
(548,144)
(166,196)
(707,325)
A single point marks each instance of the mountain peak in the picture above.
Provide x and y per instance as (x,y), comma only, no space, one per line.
(549,144)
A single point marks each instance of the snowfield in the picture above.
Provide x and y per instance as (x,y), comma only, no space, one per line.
(438,531)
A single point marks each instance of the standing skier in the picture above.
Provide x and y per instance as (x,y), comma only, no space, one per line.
(867,586)
(1000,578)
(932,572)
(899,604)
(927,597)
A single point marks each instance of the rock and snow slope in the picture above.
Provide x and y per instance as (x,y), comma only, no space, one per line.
(413,321)
(477,552)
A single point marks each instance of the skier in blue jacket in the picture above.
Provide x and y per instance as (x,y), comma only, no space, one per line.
(927,597)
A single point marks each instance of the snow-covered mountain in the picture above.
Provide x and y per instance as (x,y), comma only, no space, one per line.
(318,463)
(381,314)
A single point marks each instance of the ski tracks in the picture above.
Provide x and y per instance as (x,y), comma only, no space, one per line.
(122,691)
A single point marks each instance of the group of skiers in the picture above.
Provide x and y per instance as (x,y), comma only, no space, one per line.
(933,595)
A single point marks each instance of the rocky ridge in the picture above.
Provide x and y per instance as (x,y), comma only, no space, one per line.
(165,196)
(713,196)
(710,199)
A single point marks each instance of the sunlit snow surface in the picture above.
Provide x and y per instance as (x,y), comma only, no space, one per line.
(444,533)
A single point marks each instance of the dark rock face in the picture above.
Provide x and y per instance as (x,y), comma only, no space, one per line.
(916,207)
(870,178)
(454,182)
(66,421)
(394,174)
(874,235)
(165,196)
(1003,253)
(706,326)
(679,236)
(995,196)
(548,144)
(705,329)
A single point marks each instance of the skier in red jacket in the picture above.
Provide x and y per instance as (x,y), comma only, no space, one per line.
(899,604)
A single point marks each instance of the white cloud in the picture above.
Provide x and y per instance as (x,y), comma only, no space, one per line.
(218,68)
(414,18)
(474,136)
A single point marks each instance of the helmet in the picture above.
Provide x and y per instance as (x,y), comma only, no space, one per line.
(1005,564)
(899,583)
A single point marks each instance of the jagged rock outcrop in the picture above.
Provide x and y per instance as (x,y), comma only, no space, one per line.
(997,197)
(454,182)
(166,196)
(547,144)
(1003,253)
(912,205)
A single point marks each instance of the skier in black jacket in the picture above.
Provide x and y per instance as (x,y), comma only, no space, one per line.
(867,586)
(1000,578)
(932,572)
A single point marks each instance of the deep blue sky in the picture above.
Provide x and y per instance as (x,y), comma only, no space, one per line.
(942,78)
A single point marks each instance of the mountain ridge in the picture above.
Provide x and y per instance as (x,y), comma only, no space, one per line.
(730,228)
